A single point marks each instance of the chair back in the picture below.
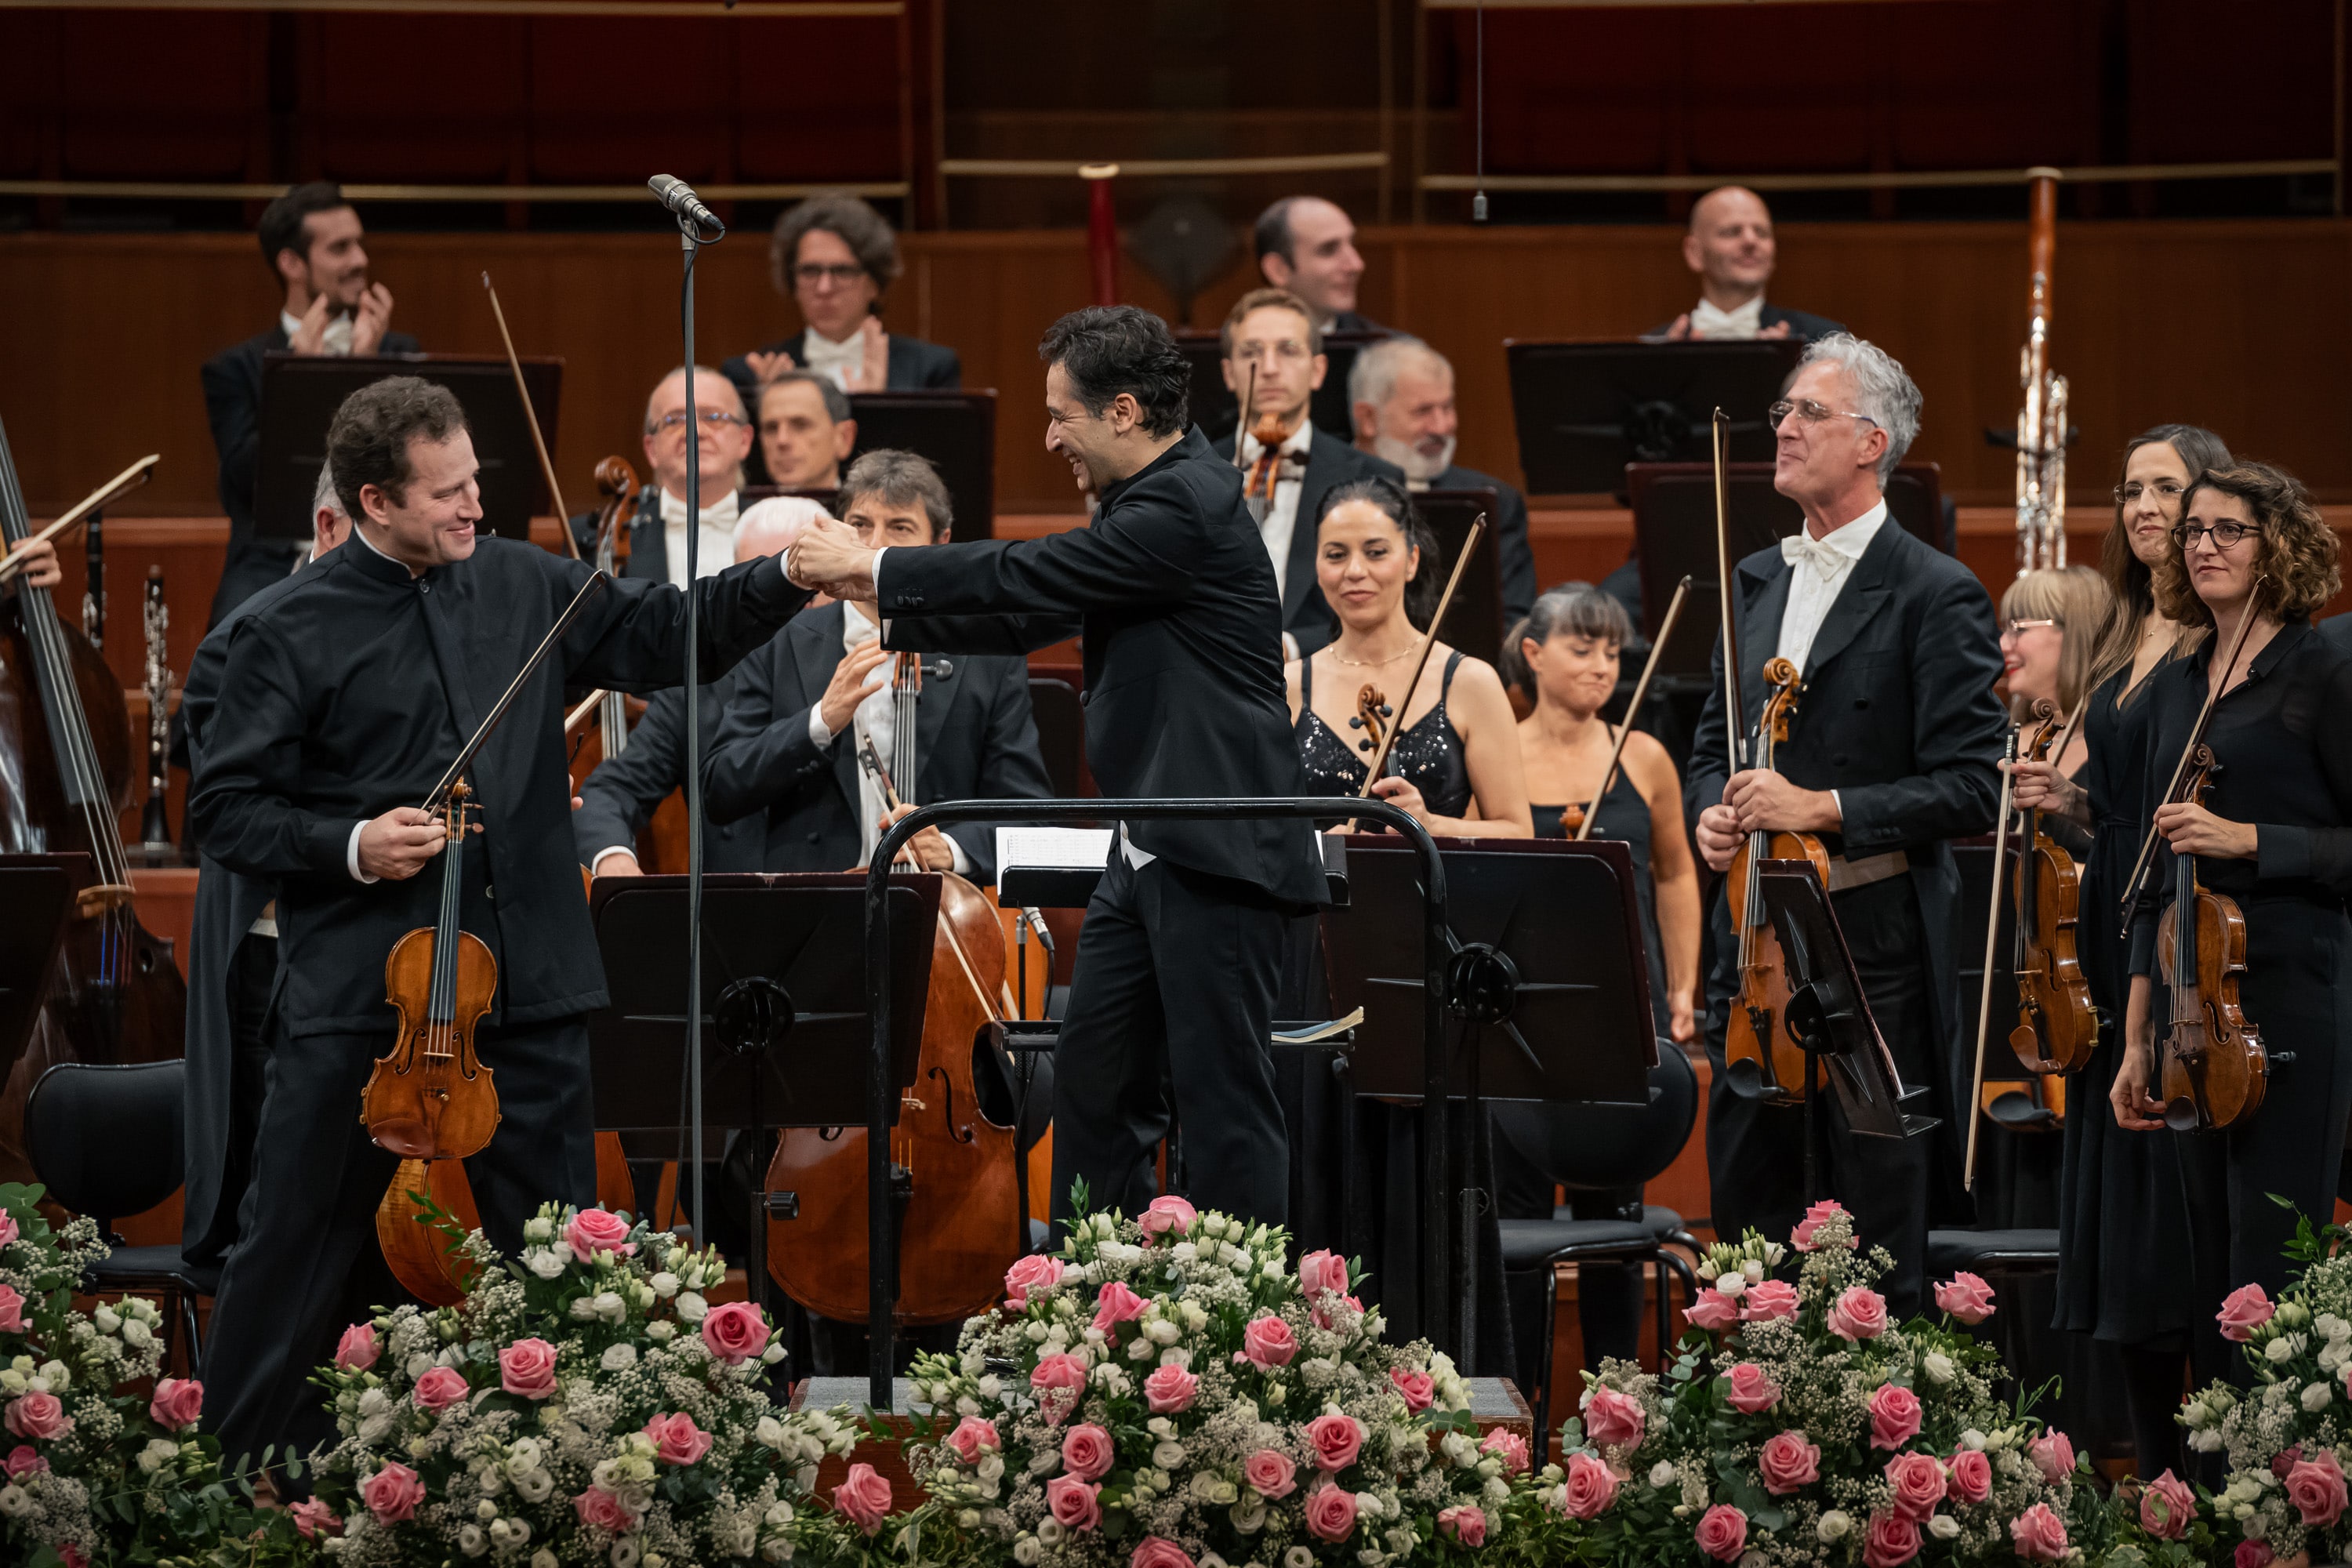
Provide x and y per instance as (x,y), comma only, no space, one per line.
(107,1140)
(1608,1146)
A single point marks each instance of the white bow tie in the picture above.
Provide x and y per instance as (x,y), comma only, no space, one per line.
(1801,548)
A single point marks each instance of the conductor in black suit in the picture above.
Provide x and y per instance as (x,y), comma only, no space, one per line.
(1172,1000)
(1273,361)
(313,245)
(836,257)
(1731,247)
(1893,750)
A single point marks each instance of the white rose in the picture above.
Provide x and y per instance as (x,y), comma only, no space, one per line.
(543,1558)
(775,1352)
(624,1553)
(2315,1397)
(535,1486)
(1751,1558)
(1973,1439)
(471,1540)
(538,1229)
(1248,1515)
(692,1307)
(1298,1557)
(1732,1285)
(1138,1349)
(543,1262)
(991,1468)
(15,1500)
(1168,1456)
(778,1550)
(106,1319)
(609,1307)
(1836,1524)
(619,1357)
(1049,1531)
(660,1333)
(1944,1527)
(1662,1474)
(1752,1271)
(1025,1550)
(2280,1349)
(1939,1365)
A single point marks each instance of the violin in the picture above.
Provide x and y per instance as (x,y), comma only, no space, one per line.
(2057,1024)
(1756,1044)
(2215,1069)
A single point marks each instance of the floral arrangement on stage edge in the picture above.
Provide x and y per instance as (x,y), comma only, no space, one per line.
(1799,1424)
(100,1461)
(1165,1393)
(583,1404)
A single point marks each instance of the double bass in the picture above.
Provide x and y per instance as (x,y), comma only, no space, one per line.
(2057,1024)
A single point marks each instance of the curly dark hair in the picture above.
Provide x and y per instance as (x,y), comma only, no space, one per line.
(367,444)
(868,234)
(2295,548)
(1427,584)
(1106,349)
(2132,594)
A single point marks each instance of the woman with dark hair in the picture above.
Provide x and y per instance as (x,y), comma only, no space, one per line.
(2123,1258)
(2274,834)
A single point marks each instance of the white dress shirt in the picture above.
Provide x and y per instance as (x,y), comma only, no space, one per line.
(1818,570)
(718,551)
(1717,326)
(831,360)
(876,719)
(335,340)
(1280,519)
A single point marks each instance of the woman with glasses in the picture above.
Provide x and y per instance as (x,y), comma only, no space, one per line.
(2274,834)
(2123,1262)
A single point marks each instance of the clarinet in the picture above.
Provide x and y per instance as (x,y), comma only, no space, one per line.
(156,832)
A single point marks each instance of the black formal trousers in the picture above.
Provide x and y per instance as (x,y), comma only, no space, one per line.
(306,1263)
(1755,1151)
(1172,1009)
(253,972)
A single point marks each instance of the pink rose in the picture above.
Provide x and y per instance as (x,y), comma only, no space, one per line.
(1058,1379)
(1167,1215)
(676,1439)
(1266,1343)
(23,1461)
(1918,1483)
(357,1350)
(1768,1299)
(2252,1554)
(1890,1541)
(178,1402)
(1894,1416)
(2040,1534)
(1157,1551)
(440,1387)
(2316,1487)
(1169,1389)
(1117,1304)
(1271,1475)
(1592,1487)
(2285,1461)
(2053,1455)
(1510,1446)
(1971,1476)
(1964,1297)
(1321,1271)
(1325,1318)
(1027,1274)
(1859,1313)
(12,1310)
(1752,1390)
(1420,1389)
(39,1416)
(1332,1513)
(8,1228)
(527,1369)
(600,1509)
(71,1556)
(313,1519)
(591,1231)
(1613,1419)
(974,1436)
(2245,1310)
(1713,1311)
(1334,1440)
(735,1332)
(2166,1506)
(1075,1504)
(393,1493)
(1087,1452)
(1815,1217)
(1789,1462)
(1464,1523)
(863,1497)
(1722,1533)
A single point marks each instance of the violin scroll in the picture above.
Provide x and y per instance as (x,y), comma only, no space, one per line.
(1372,716)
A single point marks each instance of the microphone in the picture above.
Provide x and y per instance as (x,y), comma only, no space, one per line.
(678,197)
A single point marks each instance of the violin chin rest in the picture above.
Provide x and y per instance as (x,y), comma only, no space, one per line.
(409,1140)
(1745,1078)
(2180,1115)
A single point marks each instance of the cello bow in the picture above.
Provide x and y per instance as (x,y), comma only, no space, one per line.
(129,480)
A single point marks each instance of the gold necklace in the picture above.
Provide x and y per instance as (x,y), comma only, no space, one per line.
(1367,663)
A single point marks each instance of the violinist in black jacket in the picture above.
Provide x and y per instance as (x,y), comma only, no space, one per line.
(341,703)
(1172,590)
(1894,748)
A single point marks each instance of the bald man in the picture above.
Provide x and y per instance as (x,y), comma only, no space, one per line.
(1730,246)
(1307,246)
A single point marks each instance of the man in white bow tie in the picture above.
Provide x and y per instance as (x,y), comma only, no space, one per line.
(720,445)
(1732,247)
(1891,752)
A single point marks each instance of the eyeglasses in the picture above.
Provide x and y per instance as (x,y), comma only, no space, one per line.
(2223,534)
(815,272)
(2013,628)
(1292,349)
(715,417)
(1811,412)
(2165,489)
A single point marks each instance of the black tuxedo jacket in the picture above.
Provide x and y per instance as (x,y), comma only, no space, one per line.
(622,794)
(975,740)
(1515,558)
(1355,322)
(1170,590)
(914,364)
(648,541)
(232,380)
(1898,714)
(1804,325)
(1331,463)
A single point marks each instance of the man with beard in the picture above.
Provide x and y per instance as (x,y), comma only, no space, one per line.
(1402,393)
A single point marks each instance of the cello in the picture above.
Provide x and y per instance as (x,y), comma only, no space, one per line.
(2057,1024)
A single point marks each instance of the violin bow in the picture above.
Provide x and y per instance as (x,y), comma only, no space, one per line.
(1249,401)
(579,715)
(129,480)
(1420,661)
(530,417)
(1633,708)
(1735,709)
(1984,985)
(597,579)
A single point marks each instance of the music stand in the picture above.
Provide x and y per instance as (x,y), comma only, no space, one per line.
(1473,622)
(955,430)
(36,891)
(1216,410)
(300,394)
(1829,1016)
(1584,410)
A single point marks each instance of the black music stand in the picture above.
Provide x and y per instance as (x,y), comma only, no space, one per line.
(300,394)
(1829,1016)
(1473,622)
(1585,410)
(35,892)
(787,1031)
(956,430)
(1216,411)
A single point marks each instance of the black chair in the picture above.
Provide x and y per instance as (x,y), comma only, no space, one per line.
(1598,1147)
(108,1141)
(2017,1254)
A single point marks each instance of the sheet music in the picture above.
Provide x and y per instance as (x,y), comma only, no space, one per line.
(1057,849)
